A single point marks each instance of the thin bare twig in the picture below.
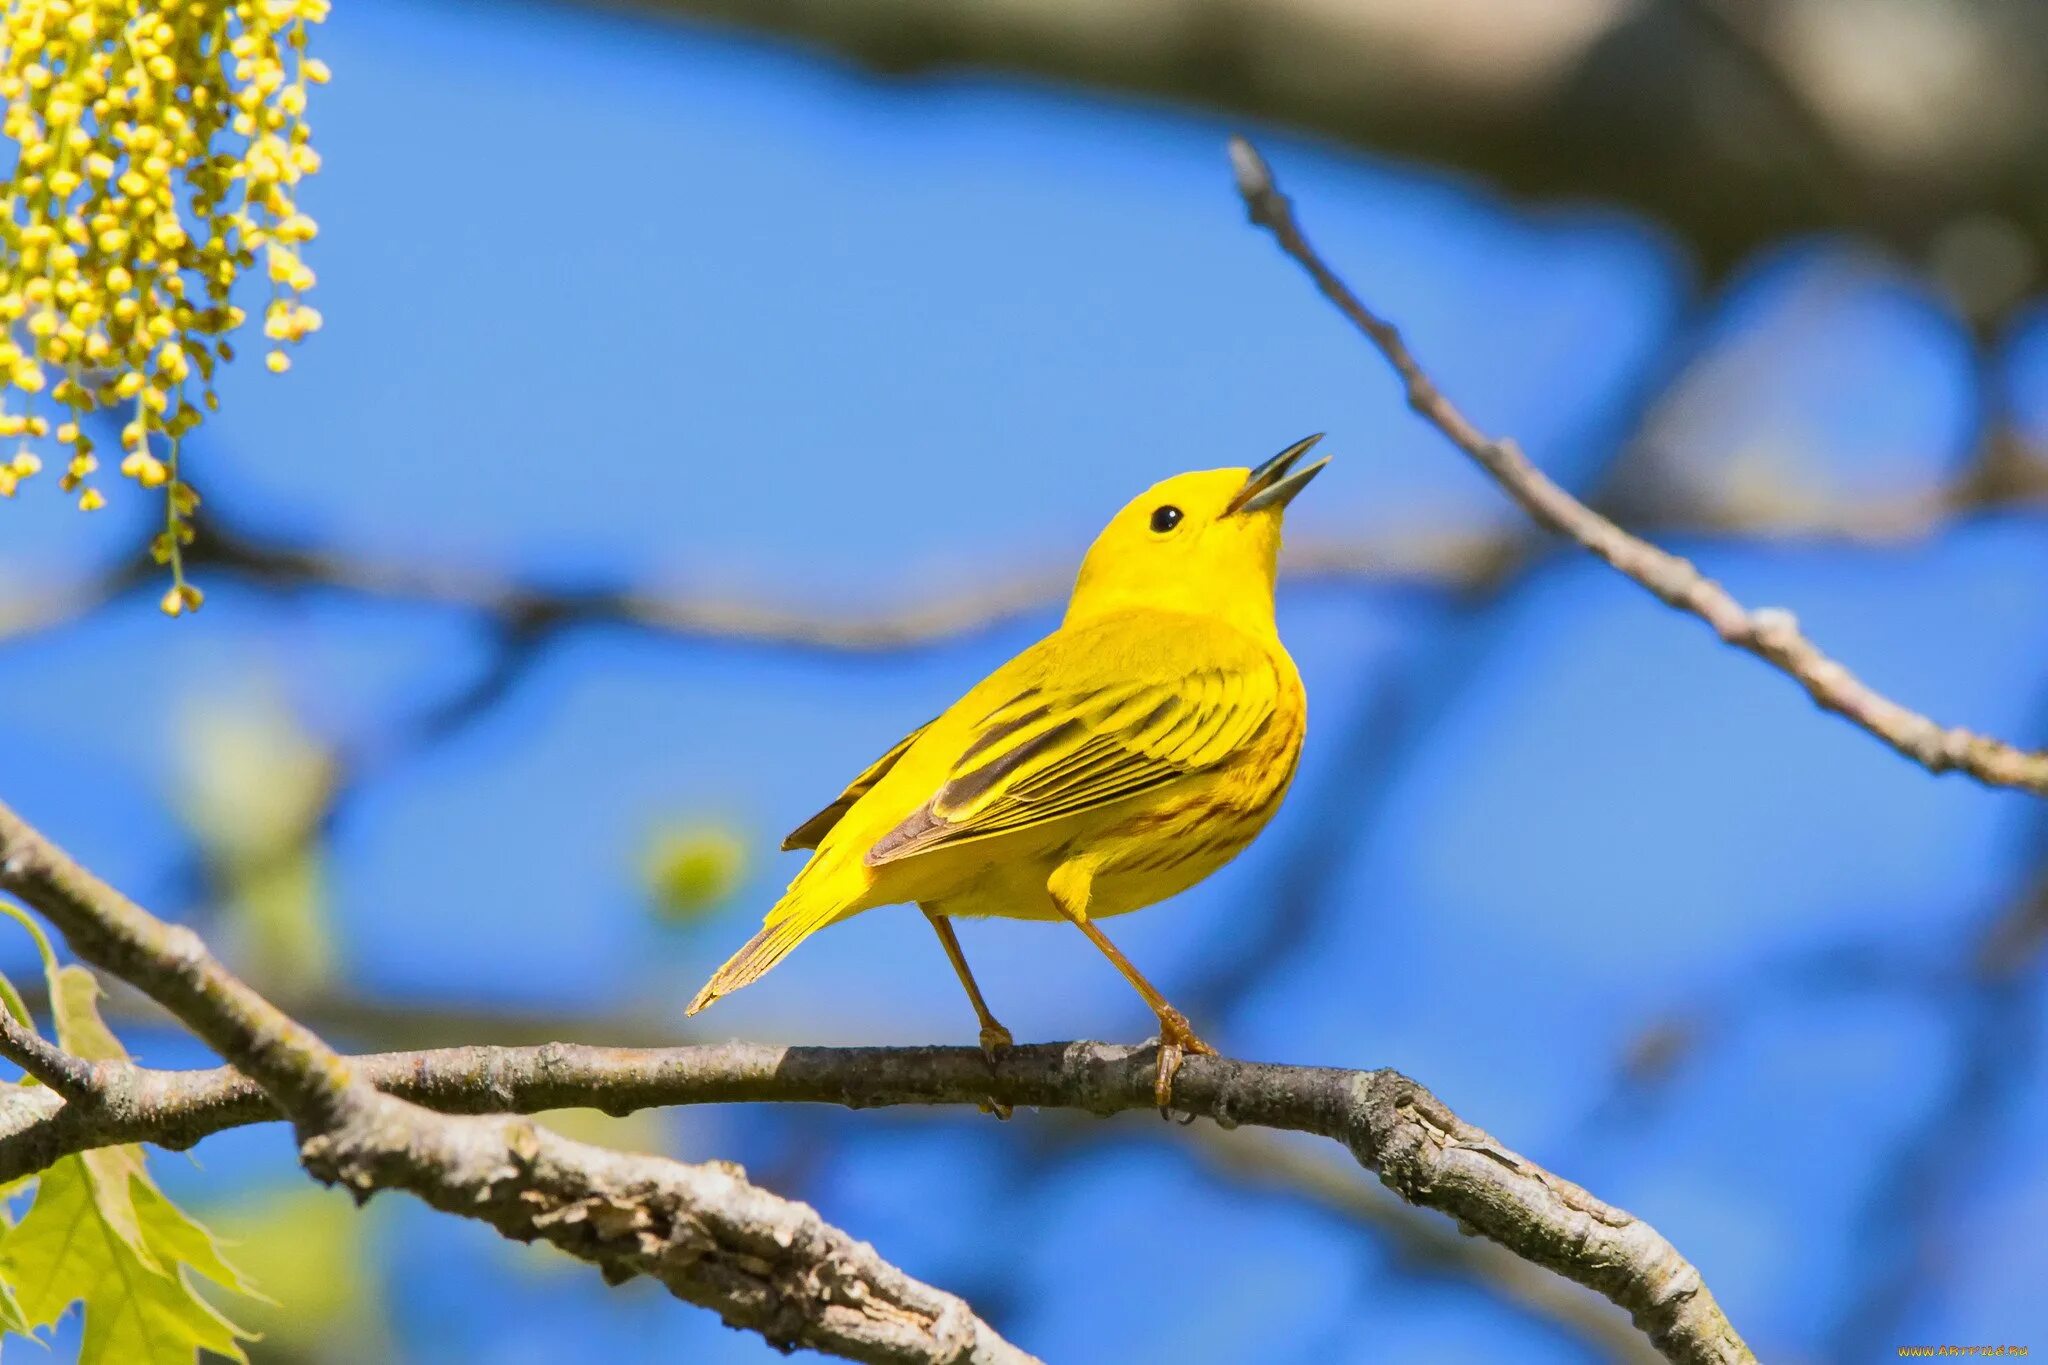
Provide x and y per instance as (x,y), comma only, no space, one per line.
(74,1078)
(1771,634)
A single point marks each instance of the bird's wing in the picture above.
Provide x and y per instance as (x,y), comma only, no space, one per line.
(811,831)
(1058,748)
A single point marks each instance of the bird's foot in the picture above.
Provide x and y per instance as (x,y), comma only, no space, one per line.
(995,1041)
(1176,1040)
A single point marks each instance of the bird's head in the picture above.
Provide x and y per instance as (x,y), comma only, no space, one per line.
(1206,543)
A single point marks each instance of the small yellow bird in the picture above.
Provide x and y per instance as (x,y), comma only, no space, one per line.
(1116,762)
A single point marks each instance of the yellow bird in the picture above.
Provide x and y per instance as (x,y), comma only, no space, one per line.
(1111,765)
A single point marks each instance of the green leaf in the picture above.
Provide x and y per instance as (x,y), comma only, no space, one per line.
(11,1317)
(101,1233)
(10,996)
(75,1008)
(186,1240)
(14,1004)
(74,1005)
(145,1313)
(35,931)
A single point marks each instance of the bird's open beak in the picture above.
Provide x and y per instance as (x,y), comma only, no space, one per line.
(1271,485)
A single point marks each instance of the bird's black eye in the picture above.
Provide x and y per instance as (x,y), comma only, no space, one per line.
(1165,518)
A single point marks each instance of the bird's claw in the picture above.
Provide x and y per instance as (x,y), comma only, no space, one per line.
(1176,1040)
(1170,1058)
(995,1041)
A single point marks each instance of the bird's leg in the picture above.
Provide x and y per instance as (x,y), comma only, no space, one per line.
(1176,1035)
(995,1039)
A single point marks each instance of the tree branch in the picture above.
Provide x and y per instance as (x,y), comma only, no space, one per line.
(1640,105)
(1392,1125)
(1771,634)
(72,1077)
(1419,1241)
(764,1263)
(1453,562)
(528,610)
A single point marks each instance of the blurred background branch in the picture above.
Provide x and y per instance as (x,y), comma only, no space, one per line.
(1733,122)
(2010,473)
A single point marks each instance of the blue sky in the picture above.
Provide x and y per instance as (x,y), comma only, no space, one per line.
(608,301)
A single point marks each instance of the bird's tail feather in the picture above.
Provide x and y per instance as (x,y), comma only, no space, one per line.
(793,920)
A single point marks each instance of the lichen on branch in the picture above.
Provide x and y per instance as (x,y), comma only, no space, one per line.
(159,149)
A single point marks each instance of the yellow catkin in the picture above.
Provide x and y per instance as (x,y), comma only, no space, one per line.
(161,146)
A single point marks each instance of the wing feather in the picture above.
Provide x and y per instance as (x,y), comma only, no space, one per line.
(1049,753)
(813,830)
